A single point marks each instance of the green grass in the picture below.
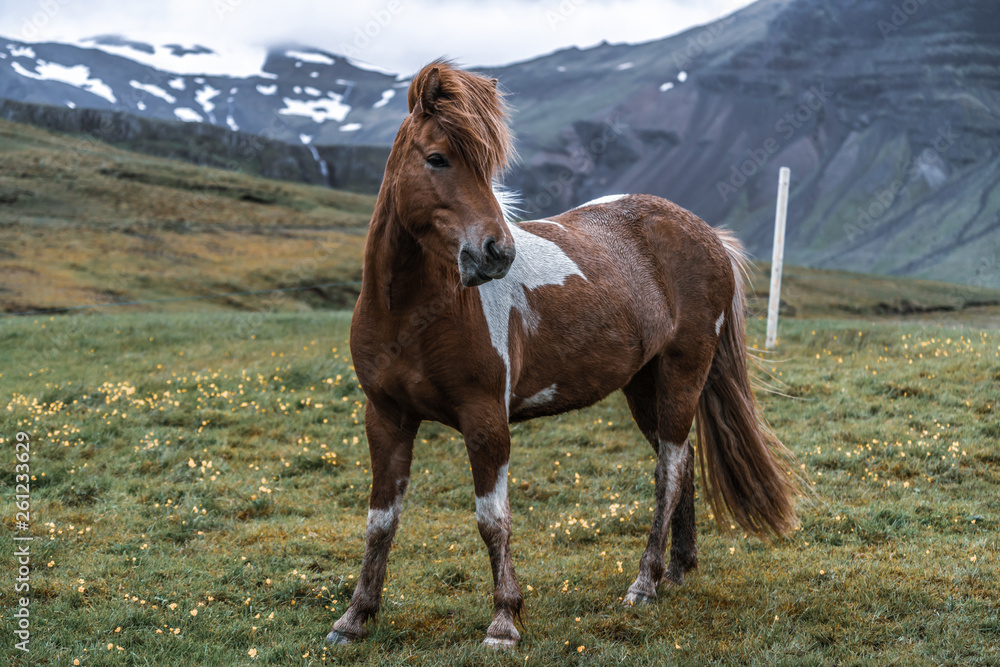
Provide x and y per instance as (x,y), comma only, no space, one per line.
(216,463)
(82,222)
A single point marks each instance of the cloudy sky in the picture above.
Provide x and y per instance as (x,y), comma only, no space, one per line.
(399,35)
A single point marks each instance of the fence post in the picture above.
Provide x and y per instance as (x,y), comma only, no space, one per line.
(777,257)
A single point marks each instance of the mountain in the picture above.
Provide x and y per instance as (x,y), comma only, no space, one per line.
(299,94)
(887,114)
(355,168)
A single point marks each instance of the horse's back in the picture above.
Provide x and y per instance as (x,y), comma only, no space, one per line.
(669,257)
(639,265)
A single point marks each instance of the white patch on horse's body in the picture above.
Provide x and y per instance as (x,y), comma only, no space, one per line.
(493,507)
(549,222)
(382,520)
(541,398)
(718,323)
(606,199)
(539,262)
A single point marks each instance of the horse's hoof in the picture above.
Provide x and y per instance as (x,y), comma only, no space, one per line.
(674,576)
(499,644)
(338,637)
(633,598)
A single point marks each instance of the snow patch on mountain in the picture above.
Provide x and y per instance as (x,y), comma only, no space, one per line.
(321,110)
(77,75)
(21,51)
(188,115)
(204,98)
(310,57)
(386,96)
(154,90)
(242,61)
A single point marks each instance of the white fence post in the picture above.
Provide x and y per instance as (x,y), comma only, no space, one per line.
(777,257)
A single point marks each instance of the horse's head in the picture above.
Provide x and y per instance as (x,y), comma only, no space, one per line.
(444,159)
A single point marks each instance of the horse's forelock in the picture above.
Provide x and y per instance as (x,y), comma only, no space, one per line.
(470,110)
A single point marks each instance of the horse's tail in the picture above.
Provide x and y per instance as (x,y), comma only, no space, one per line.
(747,472)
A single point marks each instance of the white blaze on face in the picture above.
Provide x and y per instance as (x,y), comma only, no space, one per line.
(538,262)
(493,507)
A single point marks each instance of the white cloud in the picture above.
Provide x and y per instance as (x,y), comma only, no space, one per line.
(400,35)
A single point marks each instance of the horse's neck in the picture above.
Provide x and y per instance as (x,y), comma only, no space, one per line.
(395,264)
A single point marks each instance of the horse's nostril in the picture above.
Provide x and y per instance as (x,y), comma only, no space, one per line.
(491,249)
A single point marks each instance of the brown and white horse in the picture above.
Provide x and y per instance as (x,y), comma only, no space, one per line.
(471,320)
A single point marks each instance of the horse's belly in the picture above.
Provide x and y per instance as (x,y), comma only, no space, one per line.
(555,379)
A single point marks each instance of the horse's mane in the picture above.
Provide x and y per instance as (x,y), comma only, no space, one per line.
(471,111)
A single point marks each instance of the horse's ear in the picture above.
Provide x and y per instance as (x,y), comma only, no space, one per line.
(425,91)
(431,91)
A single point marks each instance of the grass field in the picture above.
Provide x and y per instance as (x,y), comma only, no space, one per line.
(199,490)
(199,480)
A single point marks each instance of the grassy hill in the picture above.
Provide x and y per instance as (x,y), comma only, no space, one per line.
(82,222)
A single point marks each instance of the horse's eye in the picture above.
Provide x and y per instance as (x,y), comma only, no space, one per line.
(437,161)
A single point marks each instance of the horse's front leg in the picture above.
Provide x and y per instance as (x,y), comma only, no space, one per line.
(487,439)
(391,450)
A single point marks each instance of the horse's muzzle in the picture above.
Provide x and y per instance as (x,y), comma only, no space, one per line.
(489,262)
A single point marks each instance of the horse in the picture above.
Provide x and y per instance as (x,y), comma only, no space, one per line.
(475,321)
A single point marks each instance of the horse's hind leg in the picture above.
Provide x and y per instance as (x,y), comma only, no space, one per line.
(683,531)
(663,397)
(391,452)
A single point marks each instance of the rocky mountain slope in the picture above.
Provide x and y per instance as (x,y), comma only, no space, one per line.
(346,167)
(890,122)
(887,114)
